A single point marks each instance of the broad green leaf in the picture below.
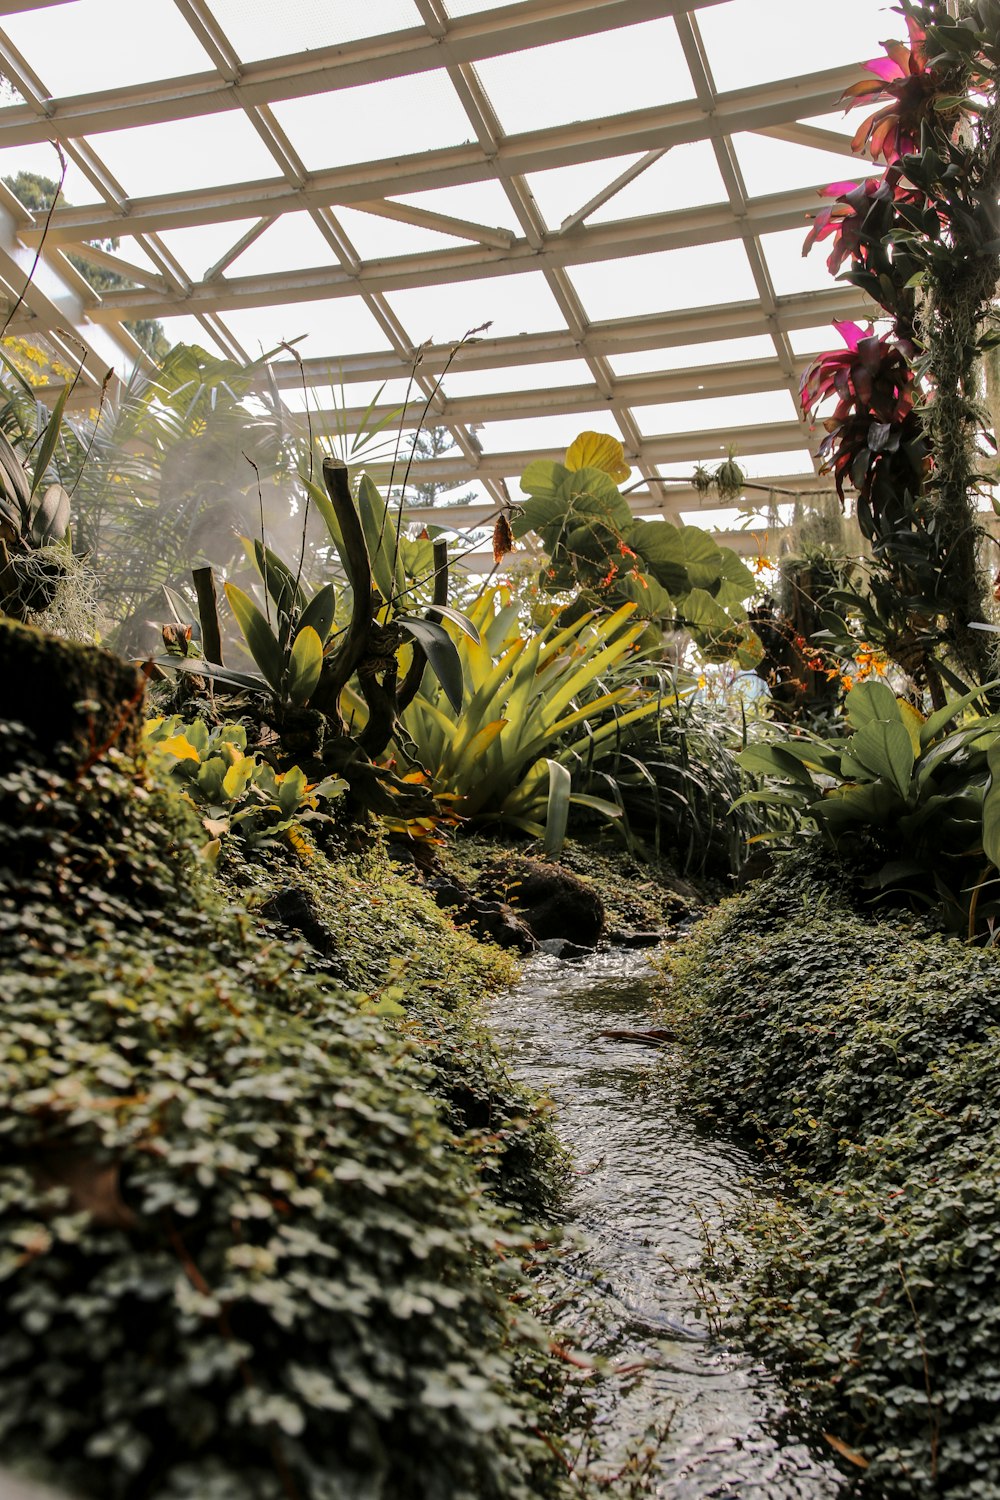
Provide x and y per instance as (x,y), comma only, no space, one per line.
(238,778)
(320,612)
(557,808)
(50,516)
(278,579)
(939,720)
(304,666)
(442,655)
(291,790)
(886,749)
(870,701)
(542,478)
(845,806)
(379,525)
(260,638)
(47,446)
(774,760)
(991,806)
(456,617)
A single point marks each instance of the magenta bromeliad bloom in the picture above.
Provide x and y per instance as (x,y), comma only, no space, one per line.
(873,382)
(845,216)
(872,373)
(904,78)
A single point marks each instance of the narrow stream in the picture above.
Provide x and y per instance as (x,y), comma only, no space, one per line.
(647,1182)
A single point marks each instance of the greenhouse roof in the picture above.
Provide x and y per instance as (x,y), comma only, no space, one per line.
(619,188)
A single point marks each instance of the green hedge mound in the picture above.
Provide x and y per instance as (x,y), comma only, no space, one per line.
(865,1057)
(240,1254)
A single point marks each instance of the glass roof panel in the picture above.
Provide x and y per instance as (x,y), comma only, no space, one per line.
(758,41)
(700,276)
(693,356)
(791,271)
(333,327)
(716,411)
(199,248)
(685,176)
(373,121)
(292,243)
(188,330)
(773,166)
(638,66)
(106,44)
(259,28)
(723,519)
(562,191)
(472,7)
(514,304)
(545,432)
(535,377)
(777,465)
(809,341)
(212,151)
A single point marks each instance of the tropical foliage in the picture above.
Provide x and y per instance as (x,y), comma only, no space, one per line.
(676,576)
(915,800)
(538,705)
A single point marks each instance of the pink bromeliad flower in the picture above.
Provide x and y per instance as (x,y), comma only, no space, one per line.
(873,382)
(845,217)
(903,78)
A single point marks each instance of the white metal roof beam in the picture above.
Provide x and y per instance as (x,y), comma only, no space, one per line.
(492,33)
(532,151)
(423,218)
(655,232)
(60,299)
(749,376)
(628,335)
(680,447)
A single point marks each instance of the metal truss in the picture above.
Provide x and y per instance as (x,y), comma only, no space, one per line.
(60,305)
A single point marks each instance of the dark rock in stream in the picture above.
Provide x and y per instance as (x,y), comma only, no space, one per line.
(637,939)
(553,901)
(492,921)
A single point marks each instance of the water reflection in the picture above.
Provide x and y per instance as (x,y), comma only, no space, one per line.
(648,1186)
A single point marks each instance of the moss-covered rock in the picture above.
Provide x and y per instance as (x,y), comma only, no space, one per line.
(865,1057)
(82,698)
(240,1254)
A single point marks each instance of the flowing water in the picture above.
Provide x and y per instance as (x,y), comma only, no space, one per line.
(648,1187)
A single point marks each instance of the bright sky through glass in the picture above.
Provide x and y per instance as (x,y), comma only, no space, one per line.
(665,250)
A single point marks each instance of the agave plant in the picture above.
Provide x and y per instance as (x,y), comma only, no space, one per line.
(537,706)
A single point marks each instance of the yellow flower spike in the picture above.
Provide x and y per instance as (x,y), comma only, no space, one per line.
(596,450)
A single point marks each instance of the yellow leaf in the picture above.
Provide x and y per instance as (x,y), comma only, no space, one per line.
(839,1446)
(912,719)
(596,450)
(179,746)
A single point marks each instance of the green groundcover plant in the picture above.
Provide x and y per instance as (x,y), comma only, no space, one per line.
(864,1057)
(240,1254)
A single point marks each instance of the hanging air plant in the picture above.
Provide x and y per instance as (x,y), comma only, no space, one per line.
(730,478)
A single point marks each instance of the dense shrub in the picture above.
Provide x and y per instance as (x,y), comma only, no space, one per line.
(865,1056)
(240,1255)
